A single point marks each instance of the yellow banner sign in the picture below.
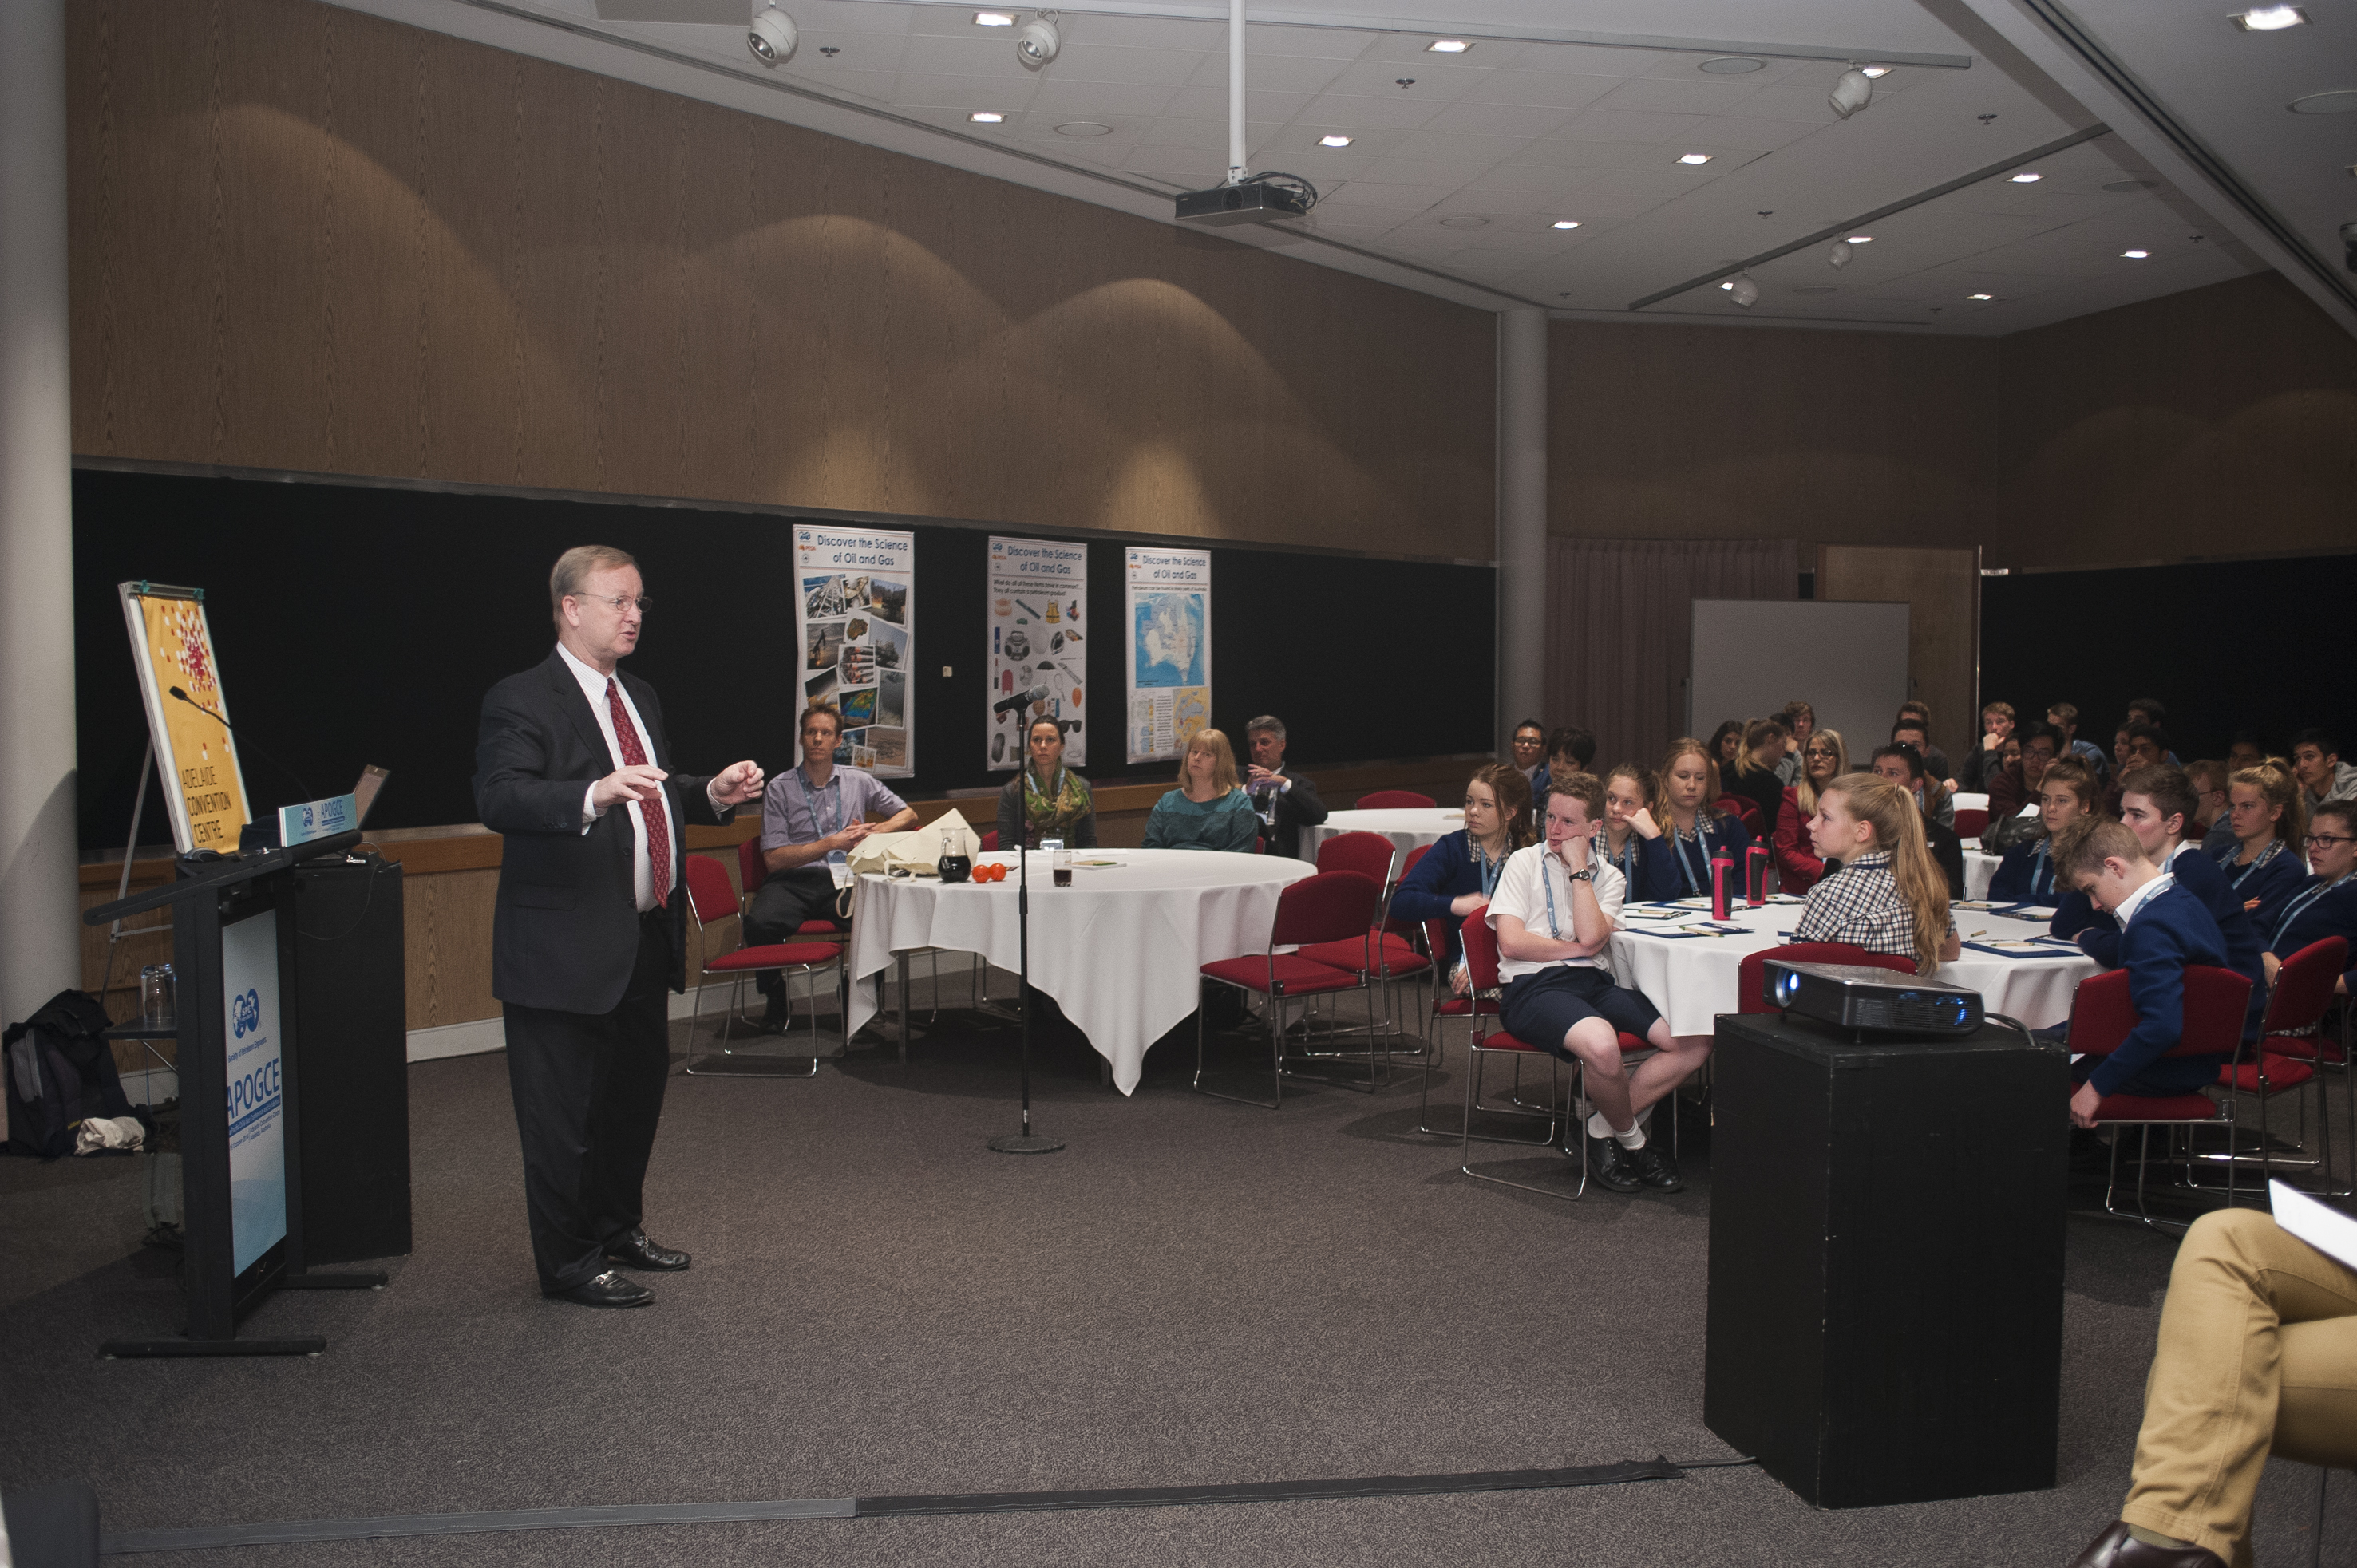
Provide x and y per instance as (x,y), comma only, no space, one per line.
(187,718)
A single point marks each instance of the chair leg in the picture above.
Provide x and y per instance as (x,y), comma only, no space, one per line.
(1276,1011)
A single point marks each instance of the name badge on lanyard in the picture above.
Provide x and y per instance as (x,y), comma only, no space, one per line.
(810,804)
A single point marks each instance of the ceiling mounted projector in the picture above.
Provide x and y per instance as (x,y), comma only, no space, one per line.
(1863,1000)
(1256,200)
(772,37)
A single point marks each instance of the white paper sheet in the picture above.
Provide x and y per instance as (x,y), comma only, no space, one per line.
(2326,1228)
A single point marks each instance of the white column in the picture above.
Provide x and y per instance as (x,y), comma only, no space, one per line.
(1521,516)
(39,944)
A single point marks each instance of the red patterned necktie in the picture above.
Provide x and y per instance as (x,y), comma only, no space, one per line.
(657,816)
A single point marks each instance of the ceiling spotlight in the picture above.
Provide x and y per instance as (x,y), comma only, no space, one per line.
(986,117)
(1980,297)
(1731,65)
(1859,240)
(994,19)
(1036,43)
(2135,255)
(1853,92)
(772,36)
(1567,223)
(1694,159)
(1874,72)
(1840,254)
(1447,47)
(2268,18)
(1333,141)
(1747,292)
(2027,178)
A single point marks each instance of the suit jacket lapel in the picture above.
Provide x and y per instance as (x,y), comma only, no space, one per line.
(576,704)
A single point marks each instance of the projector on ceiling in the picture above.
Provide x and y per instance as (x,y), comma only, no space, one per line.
(1249,201)
(1854,997)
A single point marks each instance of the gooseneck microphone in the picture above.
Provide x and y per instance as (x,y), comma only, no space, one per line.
(265,756)
(1004,704)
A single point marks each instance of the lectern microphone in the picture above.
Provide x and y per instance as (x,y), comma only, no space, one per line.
(224,724)
(1004,705)
(202,708)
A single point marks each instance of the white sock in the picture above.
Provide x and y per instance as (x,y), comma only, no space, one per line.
(1598,1127)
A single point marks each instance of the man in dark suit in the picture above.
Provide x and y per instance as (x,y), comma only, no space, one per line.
(591,928)
(1296,794)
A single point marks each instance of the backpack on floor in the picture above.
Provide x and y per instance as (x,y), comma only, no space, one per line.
(58,1069)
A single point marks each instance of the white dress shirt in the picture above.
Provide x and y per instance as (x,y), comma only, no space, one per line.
(593,686)
(2141,896)
(1524,883)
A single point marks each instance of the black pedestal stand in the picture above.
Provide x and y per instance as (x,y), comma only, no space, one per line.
(1025,1142)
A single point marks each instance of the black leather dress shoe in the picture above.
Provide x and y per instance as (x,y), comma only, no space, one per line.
(2115,1548)
(1654,1169)
(635,1252)
(609,1289)
(1607,1166)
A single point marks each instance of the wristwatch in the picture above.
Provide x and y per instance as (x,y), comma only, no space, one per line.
(1585,874)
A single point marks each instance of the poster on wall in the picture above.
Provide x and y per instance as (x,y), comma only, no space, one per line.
(856,618)
(187,718)
(1169,635)
(1039,652)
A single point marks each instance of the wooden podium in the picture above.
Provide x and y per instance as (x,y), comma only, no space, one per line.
(234,962)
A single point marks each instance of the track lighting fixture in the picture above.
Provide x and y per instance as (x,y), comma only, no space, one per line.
(772,37)
(1840,254)
(1852,92)
(1036,43)
(1746,291)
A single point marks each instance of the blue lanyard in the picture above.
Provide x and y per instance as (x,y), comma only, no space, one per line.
(810,802)
(1486,868)
(2041,870)
(1626,863)
(2226,863)
(1546,880)
(2298,908)
(1678,848)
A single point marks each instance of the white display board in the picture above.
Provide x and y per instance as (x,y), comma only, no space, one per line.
(854,615)
(1036,591)
(1847,661)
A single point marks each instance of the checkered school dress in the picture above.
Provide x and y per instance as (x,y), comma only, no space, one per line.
(1860,905)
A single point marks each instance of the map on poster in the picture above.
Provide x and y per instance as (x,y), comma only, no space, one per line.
(1169,658)
(854,616)
(1036,591)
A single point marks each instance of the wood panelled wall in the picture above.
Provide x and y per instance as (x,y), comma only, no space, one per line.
(308,239)
(2222,420)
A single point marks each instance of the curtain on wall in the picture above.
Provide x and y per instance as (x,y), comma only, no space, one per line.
(1620,629)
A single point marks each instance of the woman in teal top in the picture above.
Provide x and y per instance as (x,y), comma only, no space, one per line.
(1208,810)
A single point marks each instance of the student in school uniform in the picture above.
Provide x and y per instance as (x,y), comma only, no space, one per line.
(1755,778)
(1888,897)
(1903,766)
(1457,875)
(1569,750)
(2028,874)
(1691,832)
(1984,760)
(2325,905)
(2264,867)
(1800,722)
(1627,791)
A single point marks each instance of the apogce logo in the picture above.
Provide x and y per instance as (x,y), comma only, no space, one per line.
(245,1013)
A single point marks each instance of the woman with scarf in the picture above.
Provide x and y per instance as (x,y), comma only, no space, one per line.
(1047,800)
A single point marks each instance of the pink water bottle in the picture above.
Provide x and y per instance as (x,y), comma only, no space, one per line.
(1755,874)
(1722,872)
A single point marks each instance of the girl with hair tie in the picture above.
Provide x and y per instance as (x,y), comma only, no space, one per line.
(1457,873)
(1889,896)
(1684,830)
(1823,759)
(2269,819)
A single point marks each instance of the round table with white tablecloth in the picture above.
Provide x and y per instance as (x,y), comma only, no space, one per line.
(1979,867)
(1407,827)
(1692,979)
(1119,950)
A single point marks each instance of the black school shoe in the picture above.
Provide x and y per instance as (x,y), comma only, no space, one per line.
(1607,1166)
(1654,1169)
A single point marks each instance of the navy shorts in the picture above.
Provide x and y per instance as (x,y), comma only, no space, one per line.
(1540,1009)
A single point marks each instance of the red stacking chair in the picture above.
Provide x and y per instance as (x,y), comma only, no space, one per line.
(1389,954)
(753,869)
(1444,1006)
(1748,811)
(2102,1013)
(710,900)
(1369,854)
(1481,968)
(1330,906)
(1752,974)
(1973,821)
(1394,800)
(2292,1048)
(989,842)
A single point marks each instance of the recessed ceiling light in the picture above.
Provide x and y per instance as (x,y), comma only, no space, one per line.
(1447,47)
(2135,255)
(1694,159)
(2027,178)
(986,117)
(1980,297)
(1874,72)
(1567,223)
(993,19)
(2268,18)
(1083,128)
(1333,141)
(1731,65)
(2341,101)
(1859,240)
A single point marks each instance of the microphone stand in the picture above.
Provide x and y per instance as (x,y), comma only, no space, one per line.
(1024,1142)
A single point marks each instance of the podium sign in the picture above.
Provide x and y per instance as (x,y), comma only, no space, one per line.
(256,1088)
(316,820)
(187,718)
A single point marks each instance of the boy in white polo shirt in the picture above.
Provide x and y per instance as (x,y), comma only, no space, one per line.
(1553,910)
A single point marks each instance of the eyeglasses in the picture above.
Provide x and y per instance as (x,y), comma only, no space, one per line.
(2326,841)
(618,603)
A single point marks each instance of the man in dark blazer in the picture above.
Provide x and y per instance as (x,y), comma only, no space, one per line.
(571,766)
(1297,805)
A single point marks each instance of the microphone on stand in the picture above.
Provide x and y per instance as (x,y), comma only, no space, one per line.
(1004,705)
(265,756)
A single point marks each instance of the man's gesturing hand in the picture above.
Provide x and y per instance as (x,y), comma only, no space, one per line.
(640,783)
(736,783)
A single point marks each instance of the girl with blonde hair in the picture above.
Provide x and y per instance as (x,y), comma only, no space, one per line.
(1684,830)
(1889,896)
(2269,819)
(1618,844)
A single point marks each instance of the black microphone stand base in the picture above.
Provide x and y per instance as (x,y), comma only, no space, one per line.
(1023,1143)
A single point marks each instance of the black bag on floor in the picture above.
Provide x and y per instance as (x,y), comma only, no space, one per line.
(59,1069)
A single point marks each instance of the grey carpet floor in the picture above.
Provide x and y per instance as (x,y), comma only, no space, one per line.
(1191,1292)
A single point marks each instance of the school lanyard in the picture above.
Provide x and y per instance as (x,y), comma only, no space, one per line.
(1546,880)
(2296,907)
(810,804)
(2227,862)
(1483,866)
(2041,870)
(1627,863)
(1678,848)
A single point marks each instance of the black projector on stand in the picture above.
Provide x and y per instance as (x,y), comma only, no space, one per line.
(1863,1001)
(1247,201)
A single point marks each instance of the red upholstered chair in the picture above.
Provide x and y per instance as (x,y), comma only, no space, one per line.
(2292,1048)
(1444,1006)
(753,869)
(1369,854)
(2102,1015)
(989,842)
(710,900)
(1973,821)
(1747,809)
(1394,800)
(1392,954)
(1752,974)
(1481,968)
(1330,906)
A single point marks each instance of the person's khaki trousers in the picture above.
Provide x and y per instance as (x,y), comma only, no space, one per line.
(2258,1354)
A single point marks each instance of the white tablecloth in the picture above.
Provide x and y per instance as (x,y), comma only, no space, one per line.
(1970,802)
(1406,828)
(1118,949)
(1692,979)
(1979,866)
